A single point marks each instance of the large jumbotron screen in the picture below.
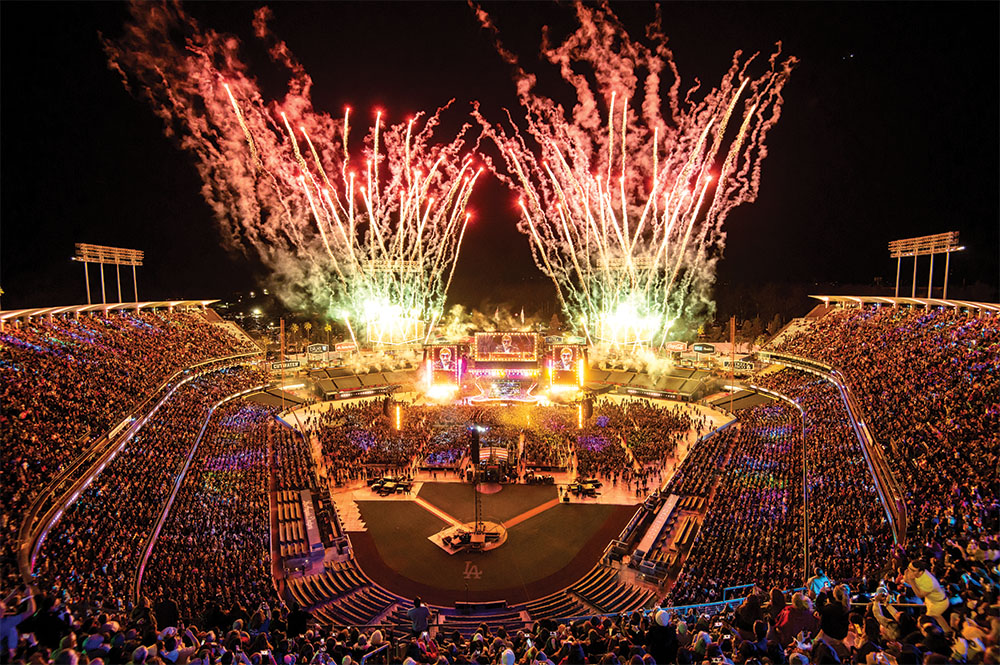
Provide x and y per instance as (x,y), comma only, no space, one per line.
(444,358)
(511,346)
(564,363)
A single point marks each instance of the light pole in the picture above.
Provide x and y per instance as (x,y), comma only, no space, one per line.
(117,256)
(941,243)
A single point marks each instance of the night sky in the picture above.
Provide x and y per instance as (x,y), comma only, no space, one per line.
(889,130)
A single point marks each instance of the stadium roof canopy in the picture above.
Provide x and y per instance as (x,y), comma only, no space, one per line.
(15,314)
(908,302)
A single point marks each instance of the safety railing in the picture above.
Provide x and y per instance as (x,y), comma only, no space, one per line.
(698,608)
(364,659)
(896,504)
(725,592)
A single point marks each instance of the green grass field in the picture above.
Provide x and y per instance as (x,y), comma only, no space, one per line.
(537,548)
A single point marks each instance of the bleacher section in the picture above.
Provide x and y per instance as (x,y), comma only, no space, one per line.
(274,397)
(742,399)
(340,382)
(241,336)
(689,527)
(602,589)
(292,540)
(625,542)
(558,604)
(651,558)
(796,327)
(343,595)
(511,620)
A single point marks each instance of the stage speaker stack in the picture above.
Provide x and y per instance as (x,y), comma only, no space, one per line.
(588,408)
(474,445)
(386,404)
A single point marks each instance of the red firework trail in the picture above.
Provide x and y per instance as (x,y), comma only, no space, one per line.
(624,198)
(363,235)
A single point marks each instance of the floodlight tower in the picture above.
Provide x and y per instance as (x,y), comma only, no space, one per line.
(116,256)
(941,243)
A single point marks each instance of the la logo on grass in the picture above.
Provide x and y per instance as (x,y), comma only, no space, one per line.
(472,571)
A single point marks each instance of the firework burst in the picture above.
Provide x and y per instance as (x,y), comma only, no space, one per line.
(624,205)
(370,235)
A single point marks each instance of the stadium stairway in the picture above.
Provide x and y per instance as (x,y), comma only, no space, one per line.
(348,511)
(556,605)
(233,329)
(212,316)
(791,329)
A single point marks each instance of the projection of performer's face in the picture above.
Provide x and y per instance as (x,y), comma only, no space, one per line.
(506,342)
(445,357)
(566,357)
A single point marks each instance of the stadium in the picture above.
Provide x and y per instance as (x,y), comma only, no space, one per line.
(422,485)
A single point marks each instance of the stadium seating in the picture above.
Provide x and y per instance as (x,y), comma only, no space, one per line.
(66,381)
(926,382)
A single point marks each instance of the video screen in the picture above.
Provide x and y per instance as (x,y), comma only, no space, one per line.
(444,358)
(564,358)
(521,347)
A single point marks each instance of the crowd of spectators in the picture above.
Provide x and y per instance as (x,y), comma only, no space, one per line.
(927,381)
(653,431)
(446,447)
(928,385)
(357,437)
(214,545)
(754,521)
(626,440)
(697,474)
(66,380)
(756,515)
(632,441)
(936,604)
(547,445)
(848,527)
(95,548)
